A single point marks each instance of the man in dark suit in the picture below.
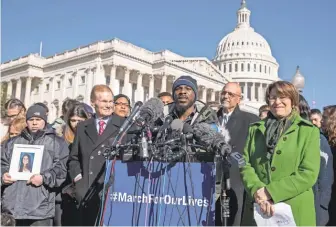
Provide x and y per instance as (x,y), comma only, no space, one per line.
(86,162)
(237,123)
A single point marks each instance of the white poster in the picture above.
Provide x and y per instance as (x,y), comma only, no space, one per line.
(26,161)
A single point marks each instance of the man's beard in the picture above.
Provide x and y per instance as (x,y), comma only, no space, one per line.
(181,109)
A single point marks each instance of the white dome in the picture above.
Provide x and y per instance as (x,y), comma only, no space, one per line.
(243,40)
(246,57)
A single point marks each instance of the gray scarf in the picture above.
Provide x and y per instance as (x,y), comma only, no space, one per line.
(274,129)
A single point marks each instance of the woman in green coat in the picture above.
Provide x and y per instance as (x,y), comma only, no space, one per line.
(282,156)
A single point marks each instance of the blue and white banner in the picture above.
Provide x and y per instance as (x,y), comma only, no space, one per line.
(161,194)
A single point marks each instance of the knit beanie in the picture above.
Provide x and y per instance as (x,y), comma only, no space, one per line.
(37,111)
(187,81)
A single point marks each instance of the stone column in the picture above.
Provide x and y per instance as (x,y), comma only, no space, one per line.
(127,89)
(204,94)
(9,89)
(89,85)
(28,88)
(63,87)
(151,86)
(253,92)
(75,84)
(264,88)
(18,89)
(99,75)
(163,83)
(41,90)
(245,91)
(114,83)
(52,89)
(213,95)
(140,90)
(260,93)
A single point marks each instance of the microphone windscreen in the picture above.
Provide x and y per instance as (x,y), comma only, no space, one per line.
(152,110)
(177,125)
(204,133)
(187,128)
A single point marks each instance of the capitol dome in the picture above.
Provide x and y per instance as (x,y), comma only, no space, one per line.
(246,57)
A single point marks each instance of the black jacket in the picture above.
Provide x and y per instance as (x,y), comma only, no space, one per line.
(86,156)
(237,126)
(27,201)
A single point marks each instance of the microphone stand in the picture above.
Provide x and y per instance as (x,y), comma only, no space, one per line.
(225,187)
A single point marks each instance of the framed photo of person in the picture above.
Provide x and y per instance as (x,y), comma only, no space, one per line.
(26,161)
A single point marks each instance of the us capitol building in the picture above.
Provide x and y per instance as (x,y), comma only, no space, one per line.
(243,56)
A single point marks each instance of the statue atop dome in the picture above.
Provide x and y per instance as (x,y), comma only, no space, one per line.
(243,4)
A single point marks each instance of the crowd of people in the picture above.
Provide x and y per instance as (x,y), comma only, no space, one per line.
(288,151)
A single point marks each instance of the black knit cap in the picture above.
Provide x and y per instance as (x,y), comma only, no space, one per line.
(188,81)
(37,111)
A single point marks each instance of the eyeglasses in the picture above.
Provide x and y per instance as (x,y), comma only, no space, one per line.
(231,95)
(122,104)
(274,98)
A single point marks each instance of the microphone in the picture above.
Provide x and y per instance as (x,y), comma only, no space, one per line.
(166,124)
(177,125)
(130,119)
(150,112)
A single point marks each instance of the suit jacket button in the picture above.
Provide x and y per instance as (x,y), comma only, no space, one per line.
(278,152)
(273,168)
(91,157)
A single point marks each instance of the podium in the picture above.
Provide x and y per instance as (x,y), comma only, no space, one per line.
(161,194)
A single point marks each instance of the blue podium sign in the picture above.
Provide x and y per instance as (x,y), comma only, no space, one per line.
(161,194)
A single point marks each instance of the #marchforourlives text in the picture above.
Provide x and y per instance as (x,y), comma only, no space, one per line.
(123,197)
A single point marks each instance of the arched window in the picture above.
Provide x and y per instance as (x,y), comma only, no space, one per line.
(242,43)
(260,66)
(248,67)
(265,69)
(237,43)
(232,43)
(236,67)
(269,70)
(230,68)
(255,68)
(224,68)
(242,67)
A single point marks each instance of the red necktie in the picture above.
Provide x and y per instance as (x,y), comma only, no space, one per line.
(101,127)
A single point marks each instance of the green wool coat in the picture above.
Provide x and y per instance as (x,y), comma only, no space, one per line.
(291,174)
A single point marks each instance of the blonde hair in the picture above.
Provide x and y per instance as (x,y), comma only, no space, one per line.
(18,123)
(99,88)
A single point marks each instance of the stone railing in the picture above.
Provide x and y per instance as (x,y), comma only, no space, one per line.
(32,59)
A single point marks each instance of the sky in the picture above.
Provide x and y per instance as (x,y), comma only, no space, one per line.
(300,32)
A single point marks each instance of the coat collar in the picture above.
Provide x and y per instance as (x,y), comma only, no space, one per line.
(297,121)
(113,125)
(233,118)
